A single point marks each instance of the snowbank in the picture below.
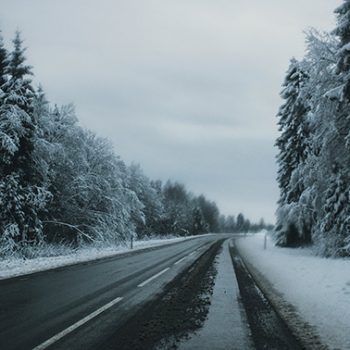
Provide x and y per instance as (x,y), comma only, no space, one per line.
(318,288)
(17,267)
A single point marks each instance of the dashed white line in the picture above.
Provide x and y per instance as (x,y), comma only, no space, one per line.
(153,277)
(182,259)
(89,317)
(188,255)
(73,327)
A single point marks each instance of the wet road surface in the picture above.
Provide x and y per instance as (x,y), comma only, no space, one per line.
(34,308)
(179,296)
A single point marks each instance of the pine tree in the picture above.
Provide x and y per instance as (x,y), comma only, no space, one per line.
(22,197)
(293,150)
(240,222)
(18,126)
(336,223)
(210,213)
(342,31)
(198,223)
(293,127)
(3,62)
(177,205)
(18,88)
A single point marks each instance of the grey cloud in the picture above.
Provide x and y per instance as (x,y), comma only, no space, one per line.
(188,88)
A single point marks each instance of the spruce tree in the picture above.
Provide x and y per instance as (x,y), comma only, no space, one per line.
(18,88)
(3,62)
(336,223)
(342,31)
(23,197)
(293,149)
(17,115)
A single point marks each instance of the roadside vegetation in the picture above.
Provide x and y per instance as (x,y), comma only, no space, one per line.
(63,186)
(314,157)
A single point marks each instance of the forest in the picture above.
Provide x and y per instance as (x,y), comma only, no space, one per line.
(314,144)
(63,184)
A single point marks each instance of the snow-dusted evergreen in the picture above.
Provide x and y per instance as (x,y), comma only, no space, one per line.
(3,62)
(293,147)
(63,184)
(23,195)
(320,212)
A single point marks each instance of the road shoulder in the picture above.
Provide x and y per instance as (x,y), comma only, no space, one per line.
(226,326)
(303,331)
(180,309)
(13,268)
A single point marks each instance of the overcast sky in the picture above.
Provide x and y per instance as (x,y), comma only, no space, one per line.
(187,88)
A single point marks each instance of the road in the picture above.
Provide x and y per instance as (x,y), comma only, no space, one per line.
(36,308)
(147,299)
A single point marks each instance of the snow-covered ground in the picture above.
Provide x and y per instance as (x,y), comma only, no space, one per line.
(319,288)
(226,323)
(16,267)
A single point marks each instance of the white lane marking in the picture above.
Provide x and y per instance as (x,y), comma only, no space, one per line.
(73,327)
(182,259)
(188,255)
(153,277)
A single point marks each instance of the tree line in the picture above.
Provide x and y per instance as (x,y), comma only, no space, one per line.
(314,144)
(230,224)
(61,183)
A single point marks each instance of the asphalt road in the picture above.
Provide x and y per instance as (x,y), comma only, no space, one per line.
(76,306)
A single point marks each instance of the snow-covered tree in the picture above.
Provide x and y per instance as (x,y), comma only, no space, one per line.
(320,178)
(210,213)
(293,145)
(3,63)
(342,31)
(336,223)
(18,88)
(151,199)
(177,208)
(23,196)
(334,158)
(198,222)
(62,183)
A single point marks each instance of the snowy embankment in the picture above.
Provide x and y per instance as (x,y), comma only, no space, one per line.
(318,288)
(17,267)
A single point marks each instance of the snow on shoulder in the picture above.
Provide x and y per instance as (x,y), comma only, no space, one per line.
(318,288)
(18,267)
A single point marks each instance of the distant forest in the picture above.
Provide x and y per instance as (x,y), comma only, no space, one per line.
(63,184)
(314,144)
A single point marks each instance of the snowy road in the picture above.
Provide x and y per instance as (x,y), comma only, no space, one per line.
(158,298)
(49,308)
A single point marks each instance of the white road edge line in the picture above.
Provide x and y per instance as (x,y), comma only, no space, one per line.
(182,259)
(153,277)
(73,327)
